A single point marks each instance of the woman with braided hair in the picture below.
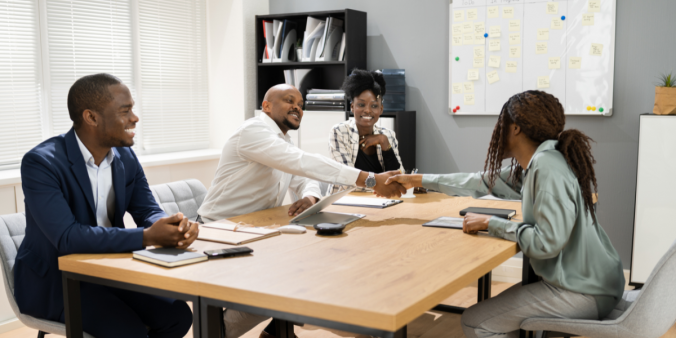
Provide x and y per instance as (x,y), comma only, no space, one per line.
(552,173)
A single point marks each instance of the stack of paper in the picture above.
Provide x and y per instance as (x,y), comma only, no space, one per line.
(366,202)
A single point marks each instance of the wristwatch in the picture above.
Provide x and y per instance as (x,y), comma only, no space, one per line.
(371,180)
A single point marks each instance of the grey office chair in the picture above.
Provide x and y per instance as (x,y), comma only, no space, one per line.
(184,196)
(12,231)
(645,313)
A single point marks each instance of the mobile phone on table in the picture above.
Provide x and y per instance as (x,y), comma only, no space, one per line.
(228,252)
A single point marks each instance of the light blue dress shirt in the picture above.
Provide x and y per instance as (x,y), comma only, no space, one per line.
(101,179)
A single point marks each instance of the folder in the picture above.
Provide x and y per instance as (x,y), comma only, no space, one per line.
(269,41)
(227,232)
(503,213)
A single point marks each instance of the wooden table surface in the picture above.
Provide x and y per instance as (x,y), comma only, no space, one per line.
(383,272)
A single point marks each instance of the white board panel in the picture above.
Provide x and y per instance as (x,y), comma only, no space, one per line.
(654,228)
(462,58)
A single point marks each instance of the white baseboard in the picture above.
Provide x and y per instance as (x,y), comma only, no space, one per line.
(10,325)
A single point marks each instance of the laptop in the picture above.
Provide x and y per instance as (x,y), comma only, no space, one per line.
(314,214)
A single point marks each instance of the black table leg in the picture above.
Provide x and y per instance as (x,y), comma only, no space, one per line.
(72,306)
(212,320)
(401,333)
(484,287)
(284,328)
(196,325)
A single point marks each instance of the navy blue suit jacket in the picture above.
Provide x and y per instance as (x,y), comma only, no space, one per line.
(61,218)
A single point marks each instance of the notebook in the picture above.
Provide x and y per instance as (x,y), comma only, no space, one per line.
(169,257)
(366,202)
(446,222)
(227,232)
(503,213)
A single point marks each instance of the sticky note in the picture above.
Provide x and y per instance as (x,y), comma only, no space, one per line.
(514,25)
(588,19)
(543,34)
(468,87)
(456,29)
(472,14)
(458,15)
(575,62)
(469,99)
(493,12)
(480,28)
(594,6)
(552,7)
(510,67)
(457,88)
(555,63)
(494,61)
(457,41)
(479,52)
(494,31)
(468,39)
(596,49)
(494,45)
(478,62)
(543,81)
(514,38)
(507,12)
(473,75)
(540,48)
(514,51)
(557,23)
(468,27)
(479,39)
(493,77)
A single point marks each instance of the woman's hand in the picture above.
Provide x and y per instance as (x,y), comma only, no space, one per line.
(474,223)
(373,140)
(408,181)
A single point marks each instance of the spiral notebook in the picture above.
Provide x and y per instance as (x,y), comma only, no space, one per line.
(227,232)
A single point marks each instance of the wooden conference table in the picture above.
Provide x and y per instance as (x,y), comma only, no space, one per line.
(381,274)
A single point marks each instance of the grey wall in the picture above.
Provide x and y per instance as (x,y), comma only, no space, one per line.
(414,35)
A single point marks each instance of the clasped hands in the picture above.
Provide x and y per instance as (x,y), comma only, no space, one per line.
(173,231)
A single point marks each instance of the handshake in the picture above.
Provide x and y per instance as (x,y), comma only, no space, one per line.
(394,184)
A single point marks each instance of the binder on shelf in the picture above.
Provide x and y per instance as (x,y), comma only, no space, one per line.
(332,34)
(341,55)
(268,33)
(277,34)
(313,32)
(287,42)
(295,77)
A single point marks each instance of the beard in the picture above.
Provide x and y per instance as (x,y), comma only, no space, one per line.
(291,126)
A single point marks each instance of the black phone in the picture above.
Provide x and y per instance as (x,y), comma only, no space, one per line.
(228,252)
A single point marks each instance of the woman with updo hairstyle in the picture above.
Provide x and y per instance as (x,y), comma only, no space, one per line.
(359,142)
(552,173)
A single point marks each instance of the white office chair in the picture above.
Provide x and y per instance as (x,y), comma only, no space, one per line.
(184,196)
(12,231)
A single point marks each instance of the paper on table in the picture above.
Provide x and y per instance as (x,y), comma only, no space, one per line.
(493,12)
(514,25)
(594,6)
(596,49)
(493,77)
(457,29)
(467,27)
(554,63)
(507,12)
(514,51)
(588,19)
(541,48)
(543,81)
(479,52)
(469,99)
(468,87)
(457,88)
(510,66)
(543,34)
(552,7)
(494,31)
(494,61)
(472,14)
(493,198)
(457,41)
(458,15)
(473,75)
(478,62)
(557,23)
(514,38)
(575,62)
(366,201)
(494,45)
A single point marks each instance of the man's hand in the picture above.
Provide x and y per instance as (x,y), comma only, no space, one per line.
(474,223)
(388,190)
(373,140)
(302,204)
(408,181)
(173,231)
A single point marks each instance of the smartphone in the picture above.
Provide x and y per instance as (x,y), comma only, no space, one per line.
(228,252)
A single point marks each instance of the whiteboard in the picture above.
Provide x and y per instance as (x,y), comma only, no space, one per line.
(655,209)
(563,47)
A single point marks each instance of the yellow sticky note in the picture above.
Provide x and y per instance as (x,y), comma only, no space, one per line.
(494,61)
(478,62)
(468,87)
(469,99)
(507,12)
(494,45)
(468,39)
(574,62)
(510,67)
(588,19)
(596,49)
(515,51)
(493,12)
(457,41)
(540,48)
(457,88)
(467,27)
(457,29)
(494,31)
(552,7)
(555,63)
(543,82)
(458,15)
(514,38)
(473,75)
(594,6)
(557,23)
(479,39)
(514,25)
(472,14)
(479,52)
(493,77)
(480,28)
(543,34)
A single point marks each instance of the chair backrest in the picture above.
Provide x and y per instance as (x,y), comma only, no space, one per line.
(12,232)
(653,312)
(184,196)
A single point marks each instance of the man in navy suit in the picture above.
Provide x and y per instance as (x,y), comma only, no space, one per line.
(77,188)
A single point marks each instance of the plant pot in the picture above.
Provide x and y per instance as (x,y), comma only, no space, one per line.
(665,101)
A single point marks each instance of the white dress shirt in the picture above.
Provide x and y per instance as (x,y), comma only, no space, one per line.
(259,164)
(101,179)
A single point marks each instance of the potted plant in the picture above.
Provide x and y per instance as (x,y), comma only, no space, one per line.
(665,95)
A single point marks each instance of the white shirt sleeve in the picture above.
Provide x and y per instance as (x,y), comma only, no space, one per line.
(304,187)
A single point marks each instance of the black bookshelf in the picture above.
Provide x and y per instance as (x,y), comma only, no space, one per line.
(324,75)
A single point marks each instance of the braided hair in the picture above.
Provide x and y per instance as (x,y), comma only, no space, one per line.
(540,117)
(361,80)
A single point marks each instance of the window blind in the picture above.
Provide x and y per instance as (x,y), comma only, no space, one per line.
(173,75)
(20,89)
